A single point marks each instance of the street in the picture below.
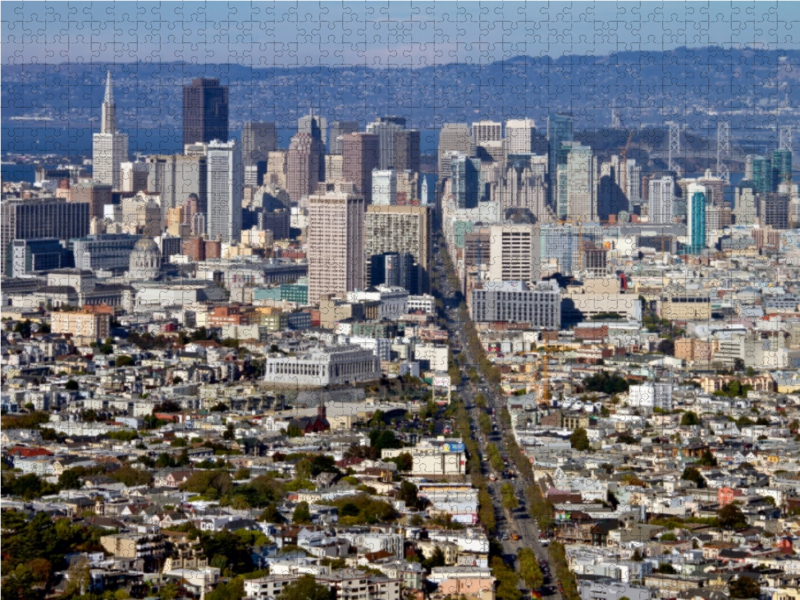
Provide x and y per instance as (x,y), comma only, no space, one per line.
(518,521)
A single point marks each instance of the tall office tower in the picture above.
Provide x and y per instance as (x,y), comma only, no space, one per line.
(696,218)
(360,156)
(519,136)
(384,187)
(762,175)
(559,130)
(781,167)
(633,181)
(453,137)
(402,230)
(317,128)
(515,253)
(334,168)
(340,129)
(406,149)
(661,194)
(491,152)
(385,128)
(302,167)
(391,268)
(579,170)
(224,215)
(775,210)
(258,140)
(487,131)
(335,242)
(94,193)
(465,174)
(611,197)
(408,187)
(277,168)
(744,203)
(748,167)
(205,111)
(524,185)
(41,218)
(133,176)
(109,148)
(175,176)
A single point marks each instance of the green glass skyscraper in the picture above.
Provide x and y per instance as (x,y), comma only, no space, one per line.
(696,218)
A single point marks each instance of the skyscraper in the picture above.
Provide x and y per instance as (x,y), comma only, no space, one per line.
(762,175)
(205,111)
(465,174)
(302,167)
(519,136)
(453,137)
(403,230)
(515,253)
(696,218)
(661,195)
(109,148)
(559,130)
(384,187)
(782,167)
(335,242)
(487,131)
(524,185)
(406,150)
(386,128)
(258,140)
(580,192)
(317,128)
(225,183)
(339,129)
(360,156)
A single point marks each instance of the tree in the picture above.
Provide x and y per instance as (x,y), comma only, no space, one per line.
(744,587)
(301,514)
(706,459)
(71,386)
(307,588)
(294,431)
(408,494)
(666,569)
(125,361)
(230,432)
(404,461)
(579,440)
(271,514)
(529,569)
(70,480)
(232,590)
(667,347)
(693,474)
(689,418)
(731,516)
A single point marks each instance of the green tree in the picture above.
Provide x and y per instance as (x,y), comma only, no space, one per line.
(232,590)
(408,494)
(579,440)
(294,431)
(693,474)
(271,514)
(706,459)
(71,385)
(301,514)
(70,480)
(689,418)
(230,432)
(307,588)
(529,569)
(125,361)
(731,516)
(744,587)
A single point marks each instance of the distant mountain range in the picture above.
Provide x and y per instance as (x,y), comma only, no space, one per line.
(649,88)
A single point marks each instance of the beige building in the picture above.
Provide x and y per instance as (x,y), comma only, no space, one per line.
(694,350)
(81,324)
(335,242)
(686,308)
(134,545)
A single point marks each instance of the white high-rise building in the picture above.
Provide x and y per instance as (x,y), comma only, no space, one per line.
(515,252)
(384,187)
(661,193)
(580,190)
(109,148)
(487,131)
(519,136)
(225,183)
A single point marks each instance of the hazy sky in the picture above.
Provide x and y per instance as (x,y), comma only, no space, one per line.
(379,33)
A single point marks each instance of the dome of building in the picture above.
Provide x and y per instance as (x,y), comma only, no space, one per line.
(145,260)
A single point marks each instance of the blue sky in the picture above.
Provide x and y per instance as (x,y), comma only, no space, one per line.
(379,33)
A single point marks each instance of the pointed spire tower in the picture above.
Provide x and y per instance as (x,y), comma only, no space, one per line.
(109,116)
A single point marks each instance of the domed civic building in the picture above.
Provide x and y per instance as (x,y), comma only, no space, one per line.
(145,260)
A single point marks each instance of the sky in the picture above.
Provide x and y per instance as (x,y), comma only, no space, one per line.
(378,33)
